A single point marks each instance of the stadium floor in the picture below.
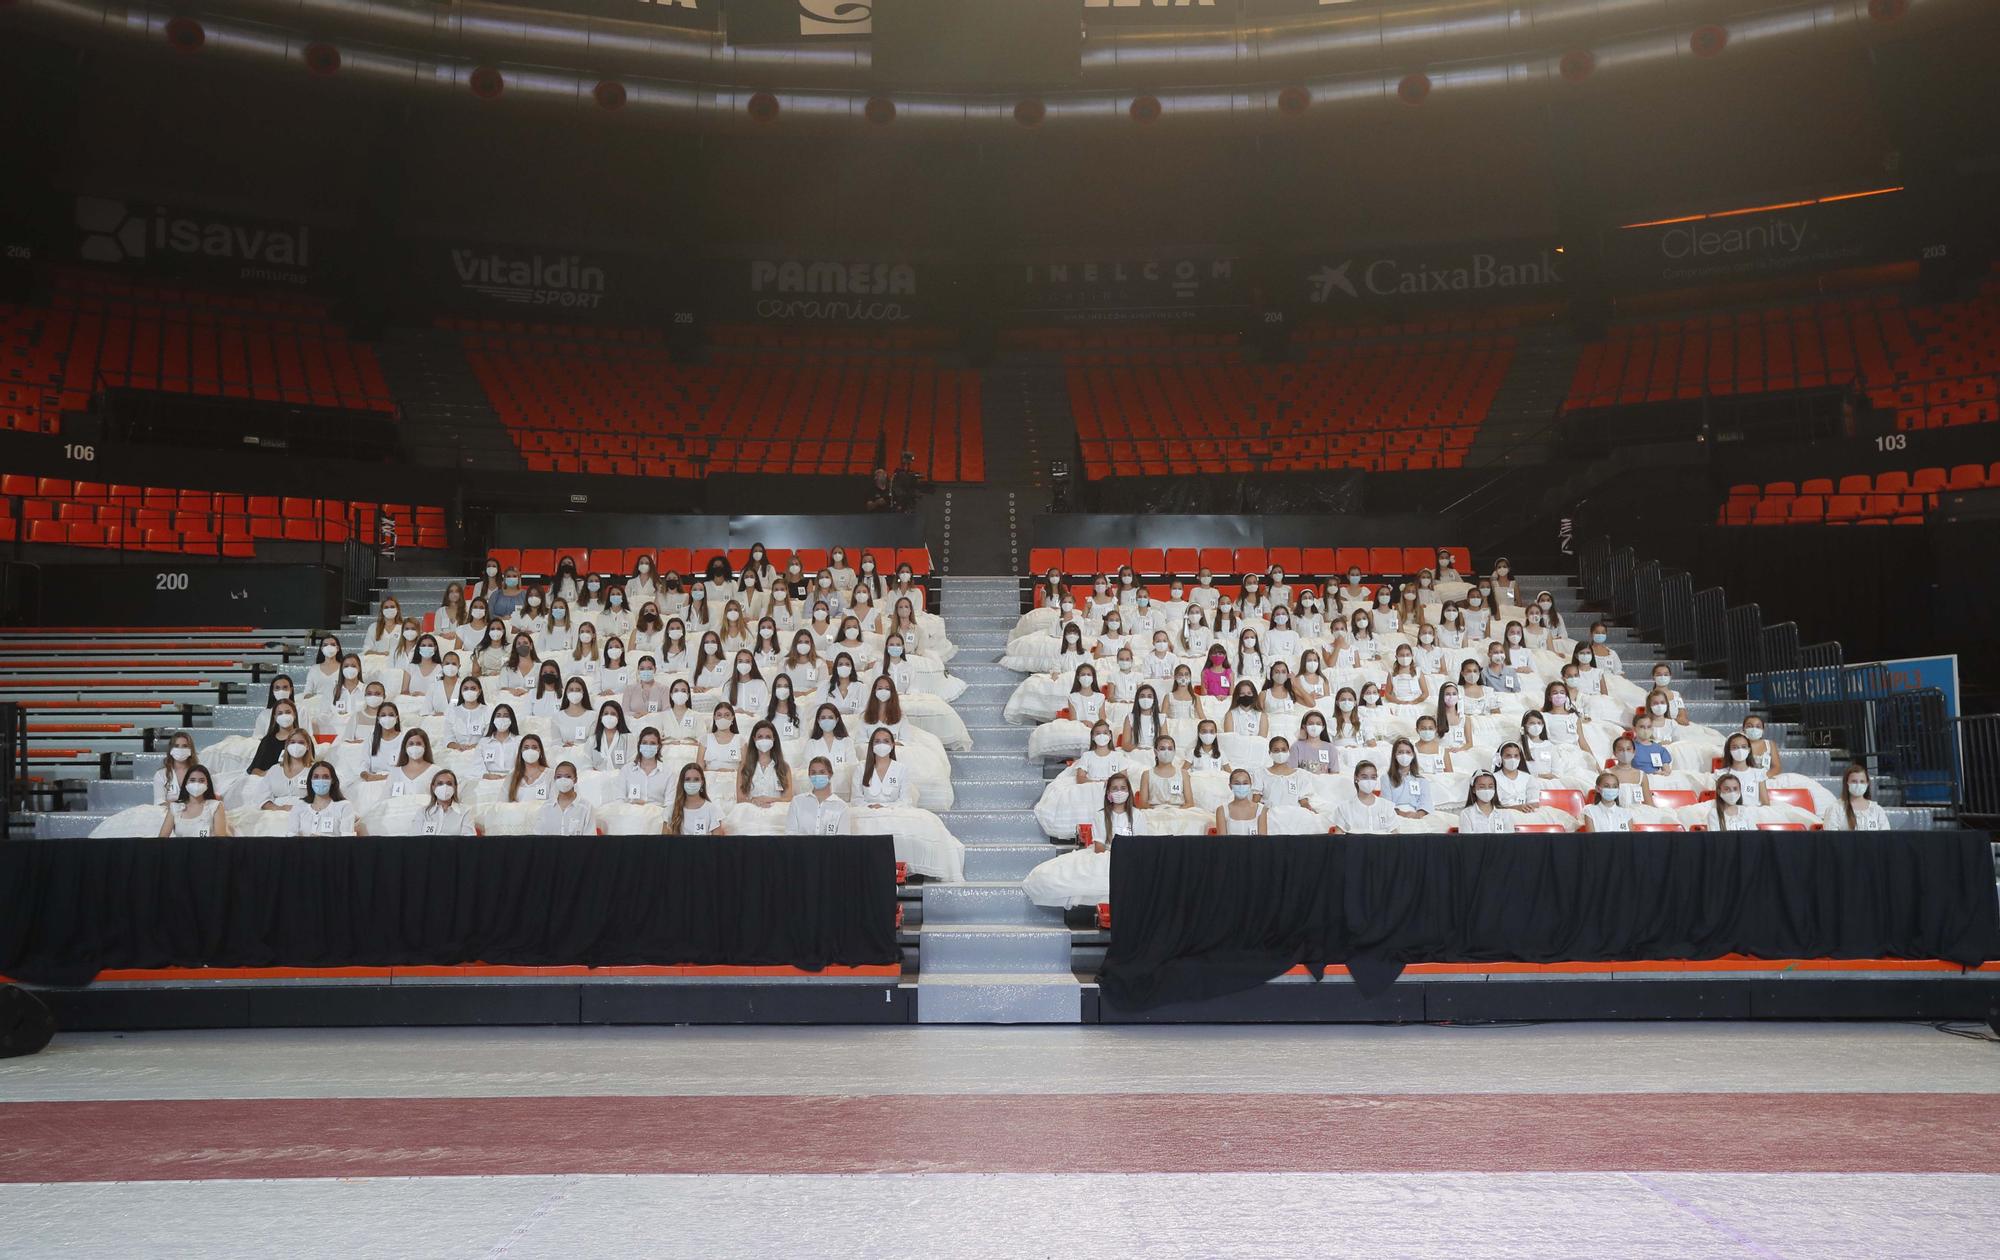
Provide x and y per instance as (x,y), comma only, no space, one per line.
(1561,1140)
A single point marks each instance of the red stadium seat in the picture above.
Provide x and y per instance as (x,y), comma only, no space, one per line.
(1386,561)
(1290,559)
(538,561)
(1346,558)
(1149,561)
(1182,560)
(1042,559)
(1417,559)
(918,558)
(1217,559)
(1317,561)
(672,559)
(1250,560)
(1080,561)
(1548,827)
(1657,826)
(1797,798)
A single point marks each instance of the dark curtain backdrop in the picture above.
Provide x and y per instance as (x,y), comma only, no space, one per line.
(70,908)
(1201,916)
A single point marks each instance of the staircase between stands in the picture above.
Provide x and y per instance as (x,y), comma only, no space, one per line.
(987,954)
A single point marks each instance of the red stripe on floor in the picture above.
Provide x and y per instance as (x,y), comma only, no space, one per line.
(1089,1133)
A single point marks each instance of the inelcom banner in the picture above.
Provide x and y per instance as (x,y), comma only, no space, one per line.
(176,240)
(695,15)
(1743,246)
(1391,275)
(536,282)
(1159,287)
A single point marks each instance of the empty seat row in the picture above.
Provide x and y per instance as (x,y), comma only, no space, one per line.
(58,511)
(1892,481)
(1295,561)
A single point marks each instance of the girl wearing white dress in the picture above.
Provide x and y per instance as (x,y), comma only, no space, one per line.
(576,721)
(768,652)
(468,718)
(195,811)
(896,663)
(1166,784)
(1183,701)
(746,690)
(613,673)
(693,814)
(1519,790)
(529,780)
(846,692)
(443,815)
(1369,813)
(1196,637)
(565,813)
(501,744)
(1406,684)
(711,668)
(422,679)
(722,747)
(736,628)
(350,693)
(804,664)
(649,632)
(452,613)
(285,781)
(1246,711)
(326,811)
(173,772)
(1736,760)
(322,677)
(829,737)
(1483,814)
(1433,758)
(674,654)
(413,769)
(522,666)
(647,780)
(1280,784)
(1605,812)
(1102,760)
(1856,809)
(1240,815)
(1280,697)
(681,722)
(1207,754)
(1733,812)
(1086,702)
(783,711)
(1142,724)
(610,739)
(764,780)
(547,700)
(1764,753)
(386,632)
(1408,791)
(643,587)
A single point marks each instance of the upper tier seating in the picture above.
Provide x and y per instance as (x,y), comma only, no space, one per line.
(55,510)
(1896,497)
(609,402)
(107,332)
(1378,405)
(1932,365)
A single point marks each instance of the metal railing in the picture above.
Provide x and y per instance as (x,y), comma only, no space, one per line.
(1976,797)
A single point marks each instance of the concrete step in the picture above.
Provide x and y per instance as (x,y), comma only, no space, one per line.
(1012,949)
(991,768)
(73,825)
(1004,827)
(1000,737)
(1004,998)
(986,902)
(111,795)
(1020,795)
(1006,861)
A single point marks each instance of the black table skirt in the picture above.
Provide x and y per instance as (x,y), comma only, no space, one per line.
(69,908)
(1201,916)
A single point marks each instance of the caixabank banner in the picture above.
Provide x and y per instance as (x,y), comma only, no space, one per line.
(178,240)
(512,281)
(1390,275)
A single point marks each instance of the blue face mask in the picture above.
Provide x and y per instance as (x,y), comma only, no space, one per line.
(821,782)
(1599,638)
(1241,791)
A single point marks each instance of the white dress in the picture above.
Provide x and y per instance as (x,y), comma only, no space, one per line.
(1473,821)
(201,826)
(336,818)
(1868,816)
(447,820)
(578,819)
(1603,817)
(1376,817)
(1081,878)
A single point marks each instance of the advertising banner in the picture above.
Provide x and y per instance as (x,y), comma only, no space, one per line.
(1145,288)
(1506,271)
(528,281)
(794,290)
(796,21)
(174,240)
(1724,247)
(695,15)
(1160,12)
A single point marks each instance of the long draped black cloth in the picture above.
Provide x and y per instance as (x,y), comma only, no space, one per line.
(1201,916)
(69,908)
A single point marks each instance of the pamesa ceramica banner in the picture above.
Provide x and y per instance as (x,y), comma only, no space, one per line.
(799,290)
(176,240)
(1085,290)
(1499,272)
(529,281)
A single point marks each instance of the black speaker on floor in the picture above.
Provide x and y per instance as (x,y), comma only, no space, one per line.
(25,1024)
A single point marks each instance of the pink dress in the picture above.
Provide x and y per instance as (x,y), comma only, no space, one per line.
(1216,682)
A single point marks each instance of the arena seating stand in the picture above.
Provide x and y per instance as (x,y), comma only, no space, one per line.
(1352,400)
(535,562)
(103,331)
(57,511)
(1932,365)
(583,399)
(1159,563)
(1897,497)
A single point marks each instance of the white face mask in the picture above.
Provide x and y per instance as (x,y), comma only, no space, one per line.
(350,673)
(843,671)
(883,694)
(1739,754)
(1510,763)
(444,792)
(468,698)
(1101,739)
(732,615)
(1483,795)
(883,750)
(1535,732)
(586,638)
(679,697)
(1404,759)
(1117,796)
(1730,797)
(675,635)
(387,722)
(1658,710)
(197,789)
(531,756)
(1857,787)
(409,636)
(693,787)
(1365,786)
(576,697)
(565,784)
(298,751)
(1660,681)
(1164,756)
(743,669)
(1345,706)
(1279,759)
(1146,703)
(765,744)
(609,721)
(283,719)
